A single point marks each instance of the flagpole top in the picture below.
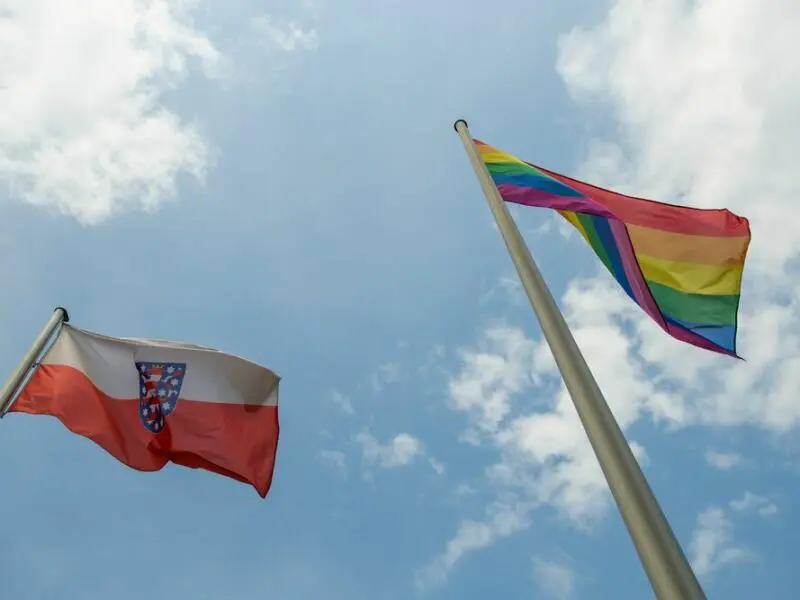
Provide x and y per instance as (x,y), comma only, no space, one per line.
(64,310)
(455,125)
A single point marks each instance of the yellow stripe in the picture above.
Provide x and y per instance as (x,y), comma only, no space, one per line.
(492,155)
(573,218)
(692,278)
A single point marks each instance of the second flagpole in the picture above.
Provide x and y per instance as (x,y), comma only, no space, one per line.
(664,562)
(9,391)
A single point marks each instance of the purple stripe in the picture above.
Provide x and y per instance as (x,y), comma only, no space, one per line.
(538,198)
(633,272)
(690,337)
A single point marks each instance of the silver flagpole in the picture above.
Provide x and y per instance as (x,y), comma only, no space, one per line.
(664,562)
(17,378)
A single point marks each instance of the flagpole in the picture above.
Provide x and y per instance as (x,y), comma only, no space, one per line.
(9,391)
(664,562)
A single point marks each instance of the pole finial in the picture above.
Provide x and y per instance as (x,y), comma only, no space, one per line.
(64,310)
(455,125)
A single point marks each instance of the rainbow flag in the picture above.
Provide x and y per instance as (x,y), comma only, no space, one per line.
(682,266)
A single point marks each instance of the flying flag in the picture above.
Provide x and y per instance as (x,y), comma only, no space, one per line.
(149,402)
(682,266)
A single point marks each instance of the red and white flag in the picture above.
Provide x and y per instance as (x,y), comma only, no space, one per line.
(150,402)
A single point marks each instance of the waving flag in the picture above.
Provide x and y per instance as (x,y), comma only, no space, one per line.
(149,402)
(682,266)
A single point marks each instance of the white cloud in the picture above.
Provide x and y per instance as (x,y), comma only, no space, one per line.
(503,518)
(402,450)
(83,130)
(704,93)
(713,546)
(436,466)
(508,288)
(285,37)
(545,452)
(491,375)
(753,503)
(343,402)
(387,374)
(723,460)
(555,579)
(544,456)
(433,361)
(390,373)
(464,490)
(334,459)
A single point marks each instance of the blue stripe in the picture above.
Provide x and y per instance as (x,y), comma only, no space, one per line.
(723,336)
(537,182)
(603,231)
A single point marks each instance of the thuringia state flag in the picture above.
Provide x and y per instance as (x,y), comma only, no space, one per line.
(150,402)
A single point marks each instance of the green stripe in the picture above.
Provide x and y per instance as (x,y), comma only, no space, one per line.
(510,168)
(701,309)
(594,241)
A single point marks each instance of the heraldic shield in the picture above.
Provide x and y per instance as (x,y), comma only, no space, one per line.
(159,390)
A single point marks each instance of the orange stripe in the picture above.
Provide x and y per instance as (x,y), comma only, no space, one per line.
(698,249)
(234,440)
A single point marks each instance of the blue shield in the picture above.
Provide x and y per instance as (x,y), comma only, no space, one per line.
(159,390)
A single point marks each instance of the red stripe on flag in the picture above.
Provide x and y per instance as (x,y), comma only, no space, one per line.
(235,440)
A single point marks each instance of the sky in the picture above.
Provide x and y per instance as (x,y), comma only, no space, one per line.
(294,166)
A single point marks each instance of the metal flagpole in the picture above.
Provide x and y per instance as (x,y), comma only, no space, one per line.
(9,391)
(665,564)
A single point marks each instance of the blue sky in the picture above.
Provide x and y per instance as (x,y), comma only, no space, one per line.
(294,164)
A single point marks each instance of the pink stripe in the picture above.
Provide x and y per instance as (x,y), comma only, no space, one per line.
(660,215)
(633,272)
(540,199)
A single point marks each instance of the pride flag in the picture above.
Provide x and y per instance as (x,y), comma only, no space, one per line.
(682,266)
